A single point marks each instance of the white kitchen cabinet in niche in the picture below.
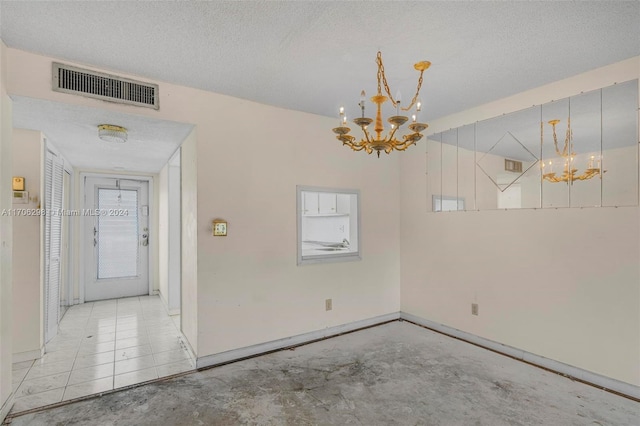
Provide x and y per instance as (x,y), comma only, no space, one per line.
(328,224)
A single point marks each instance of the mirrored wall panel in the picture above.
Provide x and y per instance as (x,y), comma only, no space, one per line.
(466,166)
(619,157)
(575,152)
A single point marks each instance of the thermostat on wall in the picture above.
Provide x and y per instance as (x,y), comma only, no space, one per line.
(220,228)
(20,197)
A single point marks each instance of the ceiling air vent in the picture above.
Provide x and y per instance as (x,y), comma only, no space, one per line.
(106,87)
(513,166)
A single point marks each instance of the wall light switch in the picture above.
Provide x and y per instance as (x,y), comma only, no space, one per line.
(328,305)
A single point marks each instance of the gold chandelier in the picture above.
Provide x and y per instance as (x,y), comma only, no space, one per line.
(379,142)
(569,172)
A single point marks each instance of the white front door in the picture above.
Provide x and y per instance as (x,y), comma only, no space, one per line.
(117,232)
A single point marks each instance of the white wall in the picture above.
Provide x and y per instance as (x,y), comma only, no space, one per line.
(6,238)
(189,301)
(560,283)
(175,235)
(169,231)
(249,289)
(27,282)
(163,234)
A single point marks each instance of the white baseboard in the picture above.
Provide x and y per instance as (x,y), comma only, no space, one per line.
(6,407)
(261,348)
(28,355)
(550,364)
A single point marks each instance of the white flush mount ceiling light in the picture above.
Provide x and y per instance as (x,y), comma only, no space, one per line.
(111,133)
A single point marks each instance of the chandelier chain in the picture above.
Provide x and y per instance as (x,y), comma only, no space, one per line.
(567,139)
(381,75)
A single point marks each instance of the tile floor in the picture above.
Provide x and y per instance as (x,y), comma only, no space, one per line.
(101,346)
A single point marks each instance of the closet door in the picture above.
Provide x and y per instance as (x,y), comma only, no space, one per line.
(54,171)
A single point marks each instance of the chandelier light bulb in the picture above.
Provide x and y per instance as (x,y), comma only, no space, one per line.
(418,105)
(413,118)
(341,110)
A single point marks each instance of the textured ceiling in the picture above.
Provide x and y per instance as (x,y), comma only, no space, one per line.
(73,131)
(314,56)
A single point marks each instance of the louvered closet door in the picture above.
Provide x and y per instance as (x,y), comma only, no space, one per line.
(54,172)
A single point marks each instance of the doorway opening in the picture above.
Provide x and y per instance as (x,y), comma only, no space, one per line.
(116,237)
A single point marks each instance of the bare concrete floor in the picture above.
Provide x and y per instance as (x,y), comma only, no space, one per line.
(397,373)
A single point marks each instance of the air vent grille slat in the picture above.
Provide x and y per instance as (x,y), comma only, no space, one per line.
(103,86)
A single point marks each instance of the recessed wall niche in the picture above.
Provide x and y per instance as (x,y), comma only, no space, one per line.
(580,151)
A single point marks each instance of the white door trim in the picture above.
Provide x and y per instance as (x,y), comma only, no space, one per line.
(153,227)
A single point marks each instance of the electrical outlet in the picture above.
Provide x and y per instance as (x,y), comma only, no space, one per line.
(474,309)
(328,305)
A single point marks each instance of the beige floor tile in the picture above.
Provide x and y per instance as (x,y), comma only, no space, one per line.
(49,369)
(132,341)
(38,400)
(56,356)
(63,345)
(170,356)
(88,348)
(21,365)
(129,326)
(97,337)
(134,332)
(175,368)
(90,373)
(18,375)
(130,315)
(133,352)
(135,377)
(165,346)
(83,355)
(93,359)
(134,364)
(88,388)
(102,322)
(42,384)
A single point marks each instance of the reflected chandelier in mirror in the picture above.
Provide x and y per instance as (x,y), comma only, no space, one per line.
(568,156)
(520,159)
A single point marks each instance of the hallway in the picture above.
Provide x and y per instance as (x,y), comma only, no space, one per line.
(101,346)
